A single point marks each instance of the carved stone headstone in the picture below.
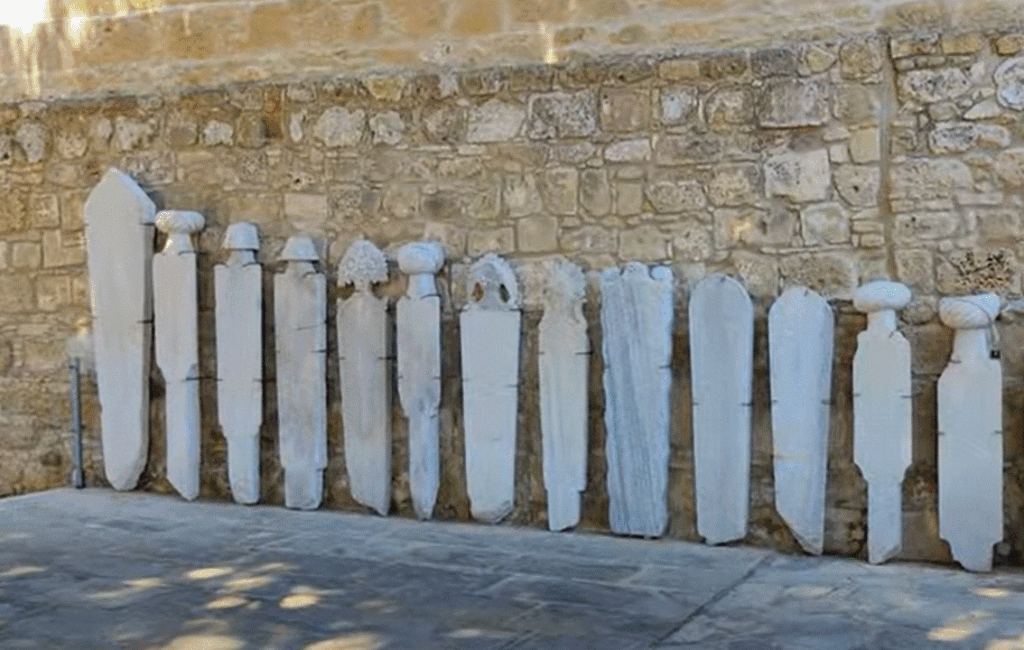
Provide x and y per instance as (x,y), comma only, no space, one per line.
(119,241)
(364,363)
(490,326)
(800,339)
(300,321)
(564,360)
(238,285)
(882,414)
(418,323)
(722,371)
(970,434)
(175,314)
(636,321)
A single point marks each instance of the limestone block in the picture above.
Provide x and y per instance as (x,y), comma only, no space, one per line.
(365,363)
(727,107)
(687,149)
(733,185)
(927,179)
(801,176)
(860,59)
(636,321)
(865,145)
(882,415)
(494,121)
(678,104)
(558,190)
(338,127)
(676,196)
(646,243)
(721,367)
(216,132)
(970,434)
(387,128)
(490,331)
(800,326)
(300,324)
(787,102)
(32,137)
(238,288)
(629,151)
(858,184)
(824,223)
(595,192)
(119,221)
(1009,78)
(564,359)
(625,110)
(176,332)
(957,137)
(537,234)
(774,62)
(562,115)
(1009,166)
(927,86)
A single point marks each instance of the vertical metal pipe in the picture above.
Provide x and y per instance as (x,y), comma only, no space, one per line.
(77,478)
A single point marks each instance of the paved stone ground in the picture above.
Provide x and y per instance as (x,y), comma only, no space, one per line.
(97,569)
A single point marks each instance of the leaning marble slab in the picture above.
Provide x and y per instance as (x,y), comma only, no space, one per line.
(364,364)
(418,324)
(636,321)
(722,371)
(564,360)
(238,288)
(882,413)
(490,326)
(800,339)
(119,221)
(970,434)
(300,321)
(176,332)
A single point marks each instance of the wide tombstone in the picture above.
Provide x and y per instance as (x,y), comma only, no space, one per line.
(800,340)
(636,327)
(971,434)
(722,371)
(364,364)
(119,221)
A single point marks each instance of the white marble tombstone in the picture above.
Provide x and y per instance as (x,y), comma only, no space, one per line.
(364,364)
(970,434)
(418,324)
(238,285)
(176,332)
(119,241)
(490,326)
(722,372)
(300,321)
(800,339)
(636,322)
(563,360)
(882,413)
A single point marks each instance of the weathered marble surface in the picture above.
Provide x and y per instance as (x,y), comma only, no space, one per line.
(971,434)
(722,371)
(176,331)
(490,331)
(564,360)
(418,325)
(882,400)
(365,363)
(300,318)
(636,322)
(238,288)
(800,340)
(119,221)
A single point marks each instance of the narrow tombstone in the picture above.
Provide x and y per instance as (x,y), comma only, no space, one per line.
(800,339)
(300,321)
(636,322)
(238,285)
(490,326)
(176,331)
(970,434)
(119,242)
(882,414)
(564,360)
(722,372)
(418,323)
(364,363)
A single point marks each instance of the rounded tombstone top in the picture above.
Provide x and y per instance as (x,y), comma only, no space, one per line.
(420,257)
(969,312)
(300,249)
(363,264)
(242,236)
(179,221)
(880,295)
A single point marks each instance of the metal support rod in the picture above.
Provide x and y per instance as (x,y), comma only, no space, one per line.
(77,477)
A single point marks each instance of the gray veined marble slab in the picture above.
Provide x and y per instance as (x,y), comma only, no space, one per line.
(722,371)
(238,285)
(176,332)
(300,322)
(364,364)
(564,360)
(970,434)
(119,241)
(800,339)
(490,326)
(636,321)
(418,325)
(882,401)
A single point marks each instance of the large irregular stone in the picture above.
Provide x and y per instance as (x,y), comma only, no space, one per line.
(681,196)
(858,184)
(801,176)
(732,185)
(494,121)
(786,102)
(920,179)
(1009,78)
(1009,166)
(958,137)
(339,127)
(562,115)
(928,86)
(678,104)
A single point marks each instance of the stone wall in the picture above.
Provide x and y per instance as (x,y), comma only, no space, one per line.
(825,163)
